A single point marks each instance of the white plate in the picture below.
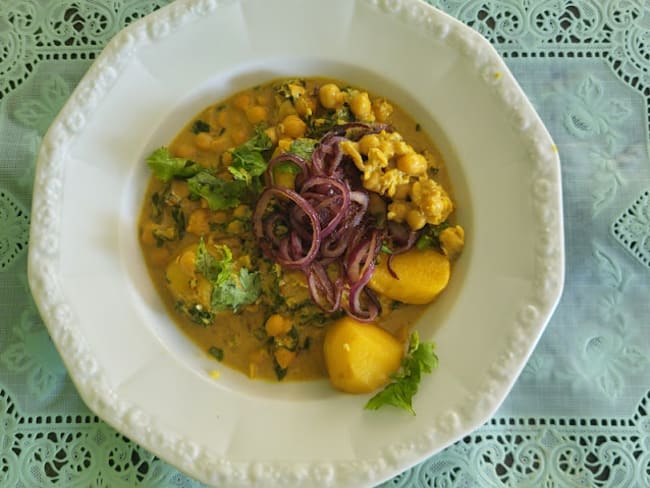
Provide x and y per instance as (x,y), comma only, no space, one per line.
(130,363)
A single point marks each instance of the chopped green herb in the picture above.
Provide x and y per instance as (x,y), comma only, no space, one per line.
(418,127)
(165,166)
(216,352)
(200,126)
(280,372)
(196,313)
(238,290)
(419,359)
(386,249)
(219,194)
(286,167)
(303,148)
(230,289)
(164,234)
(179,220)
(430,237)
(288,341)
(290,90)
(247,159)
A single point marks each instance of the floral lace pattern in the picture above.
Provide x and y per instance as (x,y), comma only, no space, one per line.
(14,226)
(586,66)
(632,228)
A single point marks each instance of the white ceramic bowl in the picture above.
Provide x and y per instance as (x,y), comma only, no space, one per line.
(135,369)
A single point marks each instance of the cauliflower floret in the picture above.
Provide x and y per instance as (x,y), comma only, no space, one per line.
(452,240)
(378,174)
(432,200)
(390,168)
(390,143)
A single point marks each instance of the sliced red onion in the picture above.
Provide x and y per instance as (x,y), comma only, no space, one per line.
(265,198)
(327,225)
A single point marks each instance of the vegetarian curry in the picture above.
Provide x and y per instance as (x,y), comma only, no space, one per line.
(297,229)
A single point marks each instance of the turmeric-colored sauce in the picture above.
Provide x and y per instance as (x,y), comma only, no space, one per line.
(196,225)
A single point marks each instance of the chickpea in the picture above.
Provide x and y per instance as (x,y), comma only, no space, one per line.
(242,101)
(223,117)
(382,110)
(235,227)
(241,211)
(185,151)
(293,126)
(203,141)
(305,106)
(277,325)
(286,108)
(199,222)
(256,114)
(273,134)
(220,143)
(226,158)
(187,262)
(415,219)
(263,99)
(367,142)
(330,96)
(412,163)
(219,217)
(203,290)
(361,106)
(239,136)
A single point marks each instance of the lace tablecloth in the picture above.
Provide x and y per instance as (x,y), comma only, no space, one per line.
(579,414)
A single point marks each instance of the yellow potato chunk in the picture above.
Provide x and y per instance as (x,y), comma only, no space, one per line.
(422,276)
(360,357)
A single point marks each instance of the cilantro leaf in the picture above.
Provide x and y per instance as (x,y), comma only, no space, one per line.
(246,164)
(219,194)
(420,358)
(165,166)
(209,266)
(303,147)
(236,290)
(230,289)
(247,159)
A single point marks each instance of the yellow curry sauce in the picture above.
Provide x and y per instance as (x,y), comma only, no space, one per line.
(231,299)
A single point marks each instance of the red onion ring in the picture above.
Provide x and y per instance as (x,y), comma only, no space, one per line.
(327,224)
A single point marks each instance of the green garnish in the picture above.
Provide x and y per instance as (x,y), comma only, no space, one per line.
(419,359)
(196,313)
(216,352)
(219,194)
(430,237)
(231,289)
(165,166)
(247,159)
(200,126)
(303,147)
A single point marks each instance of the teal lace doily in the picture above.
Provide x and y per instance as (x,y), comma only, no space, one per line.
(579,414)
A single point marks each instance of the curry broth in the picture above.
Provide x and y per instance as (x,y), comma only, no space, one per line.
(238,339)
